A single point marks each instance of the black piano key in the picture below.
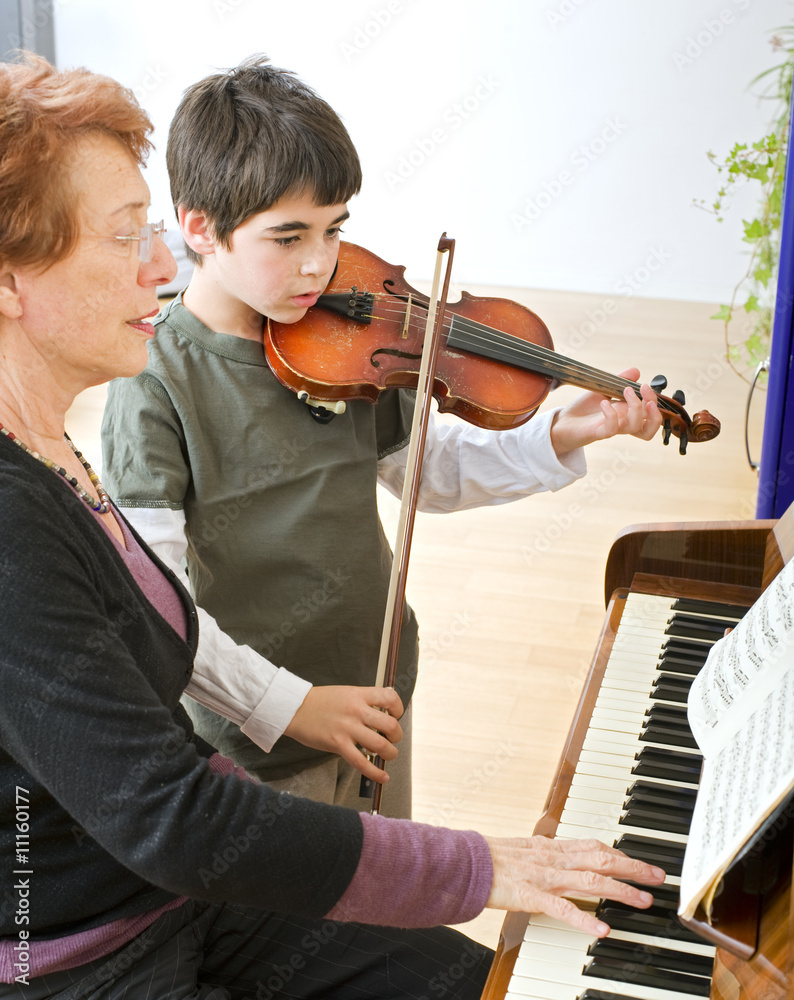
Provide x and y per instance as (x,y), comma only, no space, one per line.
(669,865)
(674,736)
(665,772)
(687,761)
(654,956)
(668,692)
(665,897)
(662,721)
(667,855)
(662,803)
(653,791)
(669,713)
(680,664)
(663,910)
(653,819)
(692,632)
(680,808)
(640,922)
(682,682)
(670,847)
(691,605)
(628,972)
(713,627)
(686,647)
(604,995)
(661,907)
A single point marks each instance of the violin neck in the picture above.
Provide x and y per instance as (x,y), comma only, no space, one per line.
(490,343)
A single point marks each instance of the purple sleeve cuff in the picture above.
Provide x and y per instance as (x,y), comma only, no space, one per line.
(415,875)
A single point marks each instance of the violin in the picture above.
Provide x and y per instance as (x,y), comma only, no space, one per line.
(496,362)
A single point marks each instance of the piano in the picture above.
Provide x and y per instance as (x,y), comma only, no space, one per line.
(628,775)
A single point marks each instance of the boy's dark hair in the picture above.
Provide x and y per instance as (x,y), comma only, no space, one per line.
(242,139)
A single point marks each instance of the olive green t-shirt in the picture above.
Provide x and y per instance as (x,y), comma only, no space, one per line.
(285,547)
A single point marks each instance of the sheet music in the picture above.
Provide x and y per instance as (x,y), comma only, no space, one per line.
(741,711)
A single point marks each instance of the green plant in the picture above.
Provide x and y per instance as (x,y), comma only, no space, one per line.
(762,162)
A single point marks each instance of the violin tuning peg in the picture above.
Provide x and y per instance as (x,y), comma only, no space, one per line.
(679,397)
(666,432)
(682,443)
(658,383)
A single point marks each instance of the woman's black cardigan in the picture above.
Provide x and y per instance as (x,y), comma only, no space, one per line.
(95,748)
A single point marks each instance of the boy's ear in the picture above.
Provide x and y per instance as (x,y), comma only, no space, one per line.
(196,230)
(10,299)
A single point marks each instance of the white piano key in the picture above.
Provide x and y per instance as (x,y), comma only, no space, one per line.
(615,741)
(627,752)
(640,685)
(617,716)
(578,828)
(608,700)
(619,789)
(548,929)
(559,983)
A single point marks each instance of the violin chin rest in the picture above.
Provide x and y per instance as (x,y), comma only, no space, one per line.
(331,406)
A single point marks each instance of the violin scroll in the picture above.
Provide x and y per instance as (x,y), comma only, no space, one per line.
(701,427)
(704,426)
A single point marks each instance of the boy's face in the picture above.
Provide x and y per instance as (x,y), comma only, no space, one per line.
(279,261)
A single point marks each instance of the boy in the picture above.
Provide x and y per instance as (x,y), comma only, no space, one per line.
(274,510)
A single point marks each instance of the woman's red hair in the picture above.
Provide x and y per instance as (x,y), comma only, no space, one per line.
(43,112)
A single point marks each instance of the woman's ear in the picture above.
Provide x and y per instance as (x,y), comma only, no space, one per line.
(10,299)
(196,230)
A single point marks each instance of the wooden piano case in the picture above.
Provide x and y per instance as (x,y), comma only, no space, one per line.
(724,561)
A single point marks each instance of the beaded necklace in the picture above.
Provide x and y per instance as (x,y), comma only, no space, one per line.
(102,505)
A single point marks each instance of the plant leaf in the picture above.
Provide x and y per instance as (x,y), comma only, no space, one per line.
(723,314)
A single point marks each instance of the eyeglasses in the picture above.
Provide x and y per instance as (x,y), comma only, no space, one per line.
(145,239)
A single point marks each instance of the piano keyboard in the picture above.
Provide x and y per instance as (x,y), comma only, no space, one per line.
(634,786)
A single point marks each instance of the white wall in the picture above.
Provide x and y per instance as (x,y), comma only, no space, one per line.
(560,142)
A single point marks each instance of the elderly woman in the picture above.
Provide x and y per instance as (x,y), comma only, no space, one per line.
(136,863)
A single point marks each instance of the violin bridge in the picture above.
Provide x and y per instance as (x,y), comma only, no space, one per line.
(408,304)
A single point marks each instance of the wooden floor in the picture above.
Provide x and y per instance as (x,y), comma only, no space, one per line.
(510,598)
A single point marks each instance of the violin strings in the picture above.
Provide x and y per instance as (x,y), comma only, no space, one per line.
(479,334)
(524,353)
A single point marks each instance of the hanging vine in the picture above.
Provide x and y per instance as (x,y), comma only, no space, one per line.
(762,162)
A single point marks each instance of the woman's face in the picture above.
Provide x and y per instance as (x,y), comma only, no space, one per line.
(87,317)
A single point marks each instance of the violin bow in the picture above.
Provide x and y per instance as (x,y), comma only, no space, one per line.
(395,601)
